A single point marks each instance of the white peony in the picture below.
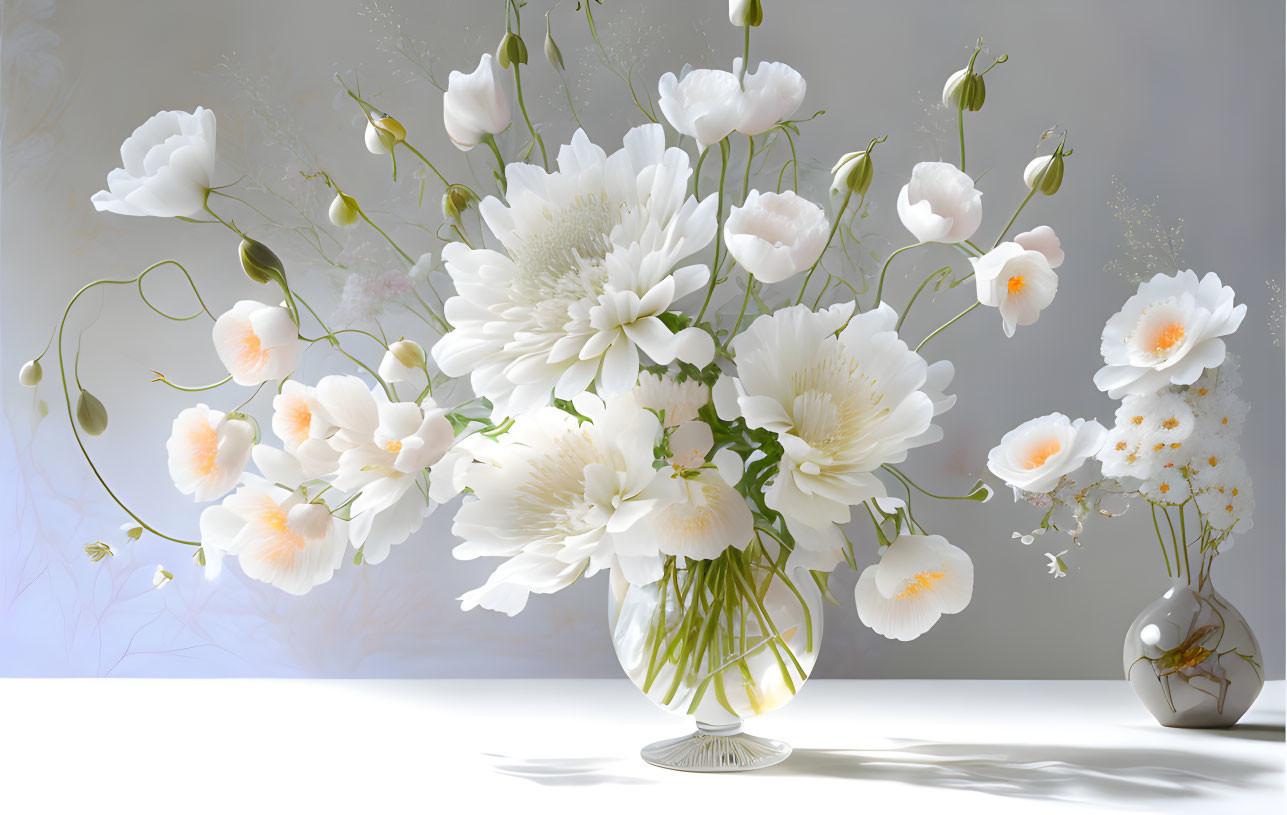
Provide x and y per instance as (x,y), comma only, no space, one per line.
(771,94)
(840,405)
(256,342)
(1034,456)
(474,105)
(919,578)
(776,235)
(940,204)
(208,452)
(591,262)
(168,162)
(705,104)
(1168,332)
(1017,281)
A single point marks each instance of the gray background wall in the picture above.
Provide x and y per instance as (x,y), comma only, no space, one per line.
(1178,100)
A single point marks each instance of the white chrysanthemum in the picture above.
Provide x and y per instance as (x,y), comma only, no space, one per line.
(552,491)
(1034,456)
(208,452)
(1228,500)
(588,268)
(256,342)
(709,517)
(1018,282)
(678,401)
(774,236)
(841,406)
(1167,333)
(919,578)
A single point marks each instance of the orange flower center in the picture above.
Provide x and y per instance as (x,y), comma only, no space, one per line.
(1015,285)
(1167,337)
(921,582)
(1038,455)
(393,446)
(204,443)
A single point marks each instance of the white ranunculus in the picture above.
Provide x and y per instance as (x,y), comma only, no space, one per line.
(709,517)
(591,262)
(208,452)
(257,342)
(168,163)
(475,104)
(705,104)
(772,93)
(940,204)
(776,235)
(841,405)
(1168,332)
(1034,456)
(550,494)
(1017,281)
(1044,240)
(918,579)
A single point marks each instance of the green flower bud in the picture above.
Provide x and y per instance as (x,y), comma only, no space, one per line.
(344,210)
(31,373)
(90,413)
(382,133)
(512,49)
(456,200)
(261,263)
(409,353)
(1045,173)
(853,172)
(967,85)
(743,13)
(552,53)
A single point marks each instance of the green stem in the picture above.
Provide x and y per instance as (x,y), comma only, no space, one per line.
(1165,556)
(750,154)
(536,137)
(719,224)
(917,293)
(936,331)
(880,286)
(1013,218)
(490,141)
(835,226)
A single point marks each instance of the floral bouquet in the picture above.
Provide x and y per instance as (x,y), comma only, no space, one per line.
(682,373)
(1173,444)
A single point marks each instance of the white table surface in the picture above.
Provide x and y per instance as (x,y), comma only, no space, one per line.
(520,746)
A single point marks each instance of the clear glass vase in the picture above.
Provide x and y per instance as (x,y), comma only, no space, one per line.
(720,640)
(1191,658)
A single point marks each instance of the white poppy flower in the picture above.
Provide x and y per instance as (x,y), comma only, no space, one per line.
(1168,332)
(841,406)
(919,578)
(551,492)
(1034,456)
(208,452)
(776,235)
(1044,240)
(304,427)
(705,104)
(1017,281)
(168,163)
(276,536)
(590,266)
(940,203)
(678,401)
(771,94)
(475,104)
(256,342)
(709,517)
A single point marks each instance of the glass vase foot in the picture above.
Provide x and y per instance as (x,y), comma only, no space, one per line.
(716,749)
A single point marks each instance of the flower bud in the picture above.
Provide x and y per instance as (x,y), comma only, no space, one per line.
(967,85)
(90,414)
(1045,174)
(512,49)
(456,200)
(743,13)
(31,373)
(261,263)
(852,173)
(382,133)
(344,210)
(161,578)
(132,530)
(552,53)
(409,353)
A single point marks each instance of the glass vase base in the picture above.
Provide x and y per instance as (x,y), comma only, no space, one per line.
(716,750)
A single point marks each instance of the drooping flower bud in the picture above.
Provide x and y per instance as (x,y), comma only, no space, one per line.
(161,578)
(743,13)
(31,373)
(409,353)
(456,200)
(90,413)
(344,210)
(260,263)
(1045,173)
(512,49)
(552,53)
(852,173)
(132,530)
(964,85)
(382,133)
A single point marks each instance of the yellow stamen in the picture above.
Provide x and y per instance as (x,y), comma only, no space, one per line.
(920,582)
(1038,455)
(1015,285)
(1167,337)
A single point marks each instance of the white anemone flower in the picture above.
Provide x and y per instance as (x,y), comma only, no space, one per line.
(167,166)
(208,452)
(775,236)
(940,204)
(840,405)
(919,578)
(1017,281)
(677,401)
(304,428)
(1168,332)
(705,104)
(771,94)
(550,494)
(709,517)
(590,266)
(1034,456)
(474,105)
(256,342)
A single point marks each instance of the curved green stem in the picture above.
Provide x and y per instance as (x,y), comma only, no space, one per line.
(880,286)
(936,331)
(835,227)
(719,227)
(1013,218)
(490,141)
(907,309)
(1165,555)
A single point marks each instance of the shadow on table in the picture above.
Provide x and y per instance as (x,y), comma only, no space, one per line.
(562,772)
(1249,732)
(1043,771)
